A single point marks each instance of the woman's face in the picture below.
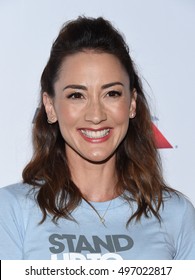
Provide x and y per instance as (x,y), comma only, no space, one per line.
(92,105)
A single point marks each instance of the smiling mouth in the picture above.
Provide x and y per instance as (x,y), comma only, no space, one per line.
(92,134)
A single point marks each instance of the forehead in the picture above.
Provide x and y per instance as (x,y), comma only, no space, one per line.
(91,64)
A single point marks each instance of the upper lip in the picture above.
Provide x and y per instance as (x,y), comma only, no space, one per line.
(94,129)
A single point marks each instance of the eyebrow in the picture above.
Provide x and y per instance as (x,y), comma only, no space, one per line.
(74,86)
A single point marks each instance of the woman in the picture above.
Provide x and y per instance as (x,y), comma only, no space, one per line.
(94,187)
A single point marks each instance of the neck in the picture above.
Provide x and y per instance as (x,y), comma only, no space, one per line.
(97,182)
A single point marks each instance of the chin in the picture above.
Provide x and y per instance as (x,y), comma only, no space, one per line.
(99,159)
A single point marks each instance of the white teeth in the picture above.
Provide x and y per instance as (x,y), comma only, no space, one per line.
(95,134)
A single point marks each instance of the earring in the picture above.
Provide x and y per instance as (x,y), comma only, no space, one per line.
(51,121)
(132,115)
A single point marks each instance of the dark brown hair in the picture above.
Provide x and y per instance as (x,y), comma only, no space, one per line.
(137,161)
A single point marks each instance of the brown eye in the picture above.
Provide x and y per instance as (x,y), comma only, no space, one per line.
(114,93)
(75,95)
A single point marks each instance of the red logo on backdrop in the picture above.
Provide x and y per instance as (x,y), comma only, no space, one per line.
(161,141)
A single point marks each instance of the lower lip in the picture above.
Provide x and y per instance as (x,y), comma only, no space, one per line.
(95,140)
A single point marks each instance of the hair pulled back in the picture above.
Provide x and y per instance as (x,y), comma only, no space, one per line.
(137,161)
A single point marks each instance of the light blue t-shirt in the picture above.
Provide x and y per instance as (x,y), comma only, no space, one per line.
(22,237)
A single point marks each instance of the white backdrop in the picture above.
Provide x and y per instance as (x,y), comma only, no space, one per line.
(161,36)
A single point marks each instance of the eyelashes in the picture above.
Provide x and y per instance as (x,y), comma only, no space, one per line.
(75,95)
(114,93)
(78,95)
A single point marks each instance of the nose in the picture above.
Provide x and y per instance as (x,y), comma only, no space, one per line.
(95,112)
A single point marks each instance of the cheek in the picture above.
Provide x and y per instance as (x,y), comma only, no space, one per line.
(66,116)
(121,115)
(66,121)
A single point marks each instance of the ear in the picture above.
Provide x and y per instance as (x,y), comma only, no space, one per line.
(49,108)
(132,108)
